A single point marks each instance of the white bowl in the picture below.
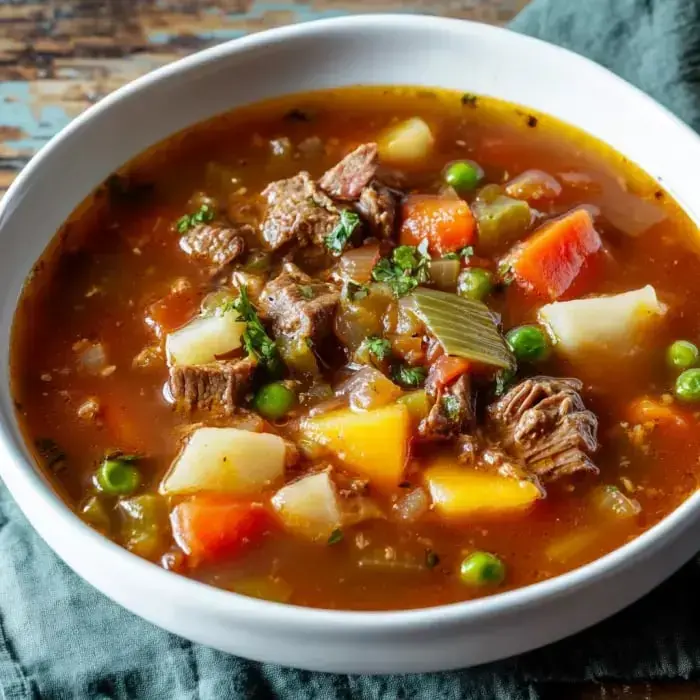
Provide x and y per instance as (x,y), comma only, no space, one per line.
(376,49)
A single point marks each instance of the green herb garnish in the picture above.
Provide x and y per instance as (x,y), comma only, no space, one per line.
(306,290)
(451,405)
(506,275)
(202,216)
(340,235)
(379,347)
(504,378)
(354,291)
(465,253)
(335,536)
(256,341)
(408,376)
(405,270)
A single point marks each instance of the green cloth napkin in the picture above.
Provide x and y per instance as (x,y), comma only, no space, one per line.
(61,639)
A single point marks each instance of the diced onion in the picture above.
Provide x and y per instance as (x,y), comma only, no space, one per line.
(368,388)
(357,264)
(413,505)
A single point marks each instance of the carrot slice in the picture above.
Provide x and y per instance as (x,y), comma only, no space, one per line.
(210,528)
(447,224)
(552,258)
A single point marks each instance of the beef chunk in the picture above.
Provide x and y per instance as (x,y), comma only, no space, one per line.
(451,413)
(217,385)
(299,305)
(543,422)
(297,209)
(377,206)
(215,244)
(347,179)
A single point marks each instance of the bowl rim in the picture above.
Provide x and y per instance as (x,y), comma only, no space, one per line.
(21,472)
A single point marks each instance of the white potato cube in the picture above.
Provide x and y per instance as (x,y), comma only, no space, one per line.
(609,323)
(203,339)
(407,142)
(226,460)
(309,507)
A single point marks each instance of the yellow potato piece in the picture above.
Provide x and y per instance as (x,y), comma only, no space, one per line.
(373,444)
(458,492)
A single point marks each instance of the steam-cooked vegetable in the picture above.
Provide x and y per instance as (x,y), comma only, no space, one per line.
(482,569)
(406,143)
(501,220)
(298,355)
(211,528)
(611,503)
(463,175)
(405,270)
(444,274)
(688,386)
(528,343)
(144,525)
(274,400)
(226,460)
(372,443)
(458,492)
(682,354)
(309,506)
(447,225)
(118,476)
(204,339)
(417,403)
(550,261)
(611,324)
(357,264)
(475,283)
(464,327)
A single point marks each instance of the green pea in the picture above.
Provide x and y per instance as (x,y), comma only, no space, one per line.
(475,283)
(463,175)
(682,355)
(482,569)
(688,385)
(274,400)
(117,477)
(528,343)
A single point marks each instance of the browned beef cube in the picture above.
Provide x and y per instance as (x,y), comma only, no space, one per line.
(297,210)
(217,385)
(298,305)
(544,422)
(347,179)
(377,206)
(214,244)
(451,413)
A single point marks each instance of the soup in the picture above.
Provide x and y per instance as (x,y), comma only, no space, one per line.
(368,349)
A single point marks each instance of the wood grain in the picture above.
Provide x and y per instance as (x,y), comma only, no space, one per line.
(59,57)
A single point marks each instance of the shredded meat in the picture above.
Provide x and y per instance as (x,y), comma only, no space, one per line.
(377,206)
(217,245)
(297,209)
(451,413)
(543,422)
(299,305)
(347,179)
(217,385)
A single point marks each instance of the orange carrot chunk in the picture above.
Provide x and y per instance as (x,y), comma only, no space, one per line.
(447,224)
(210,528)
(552,258)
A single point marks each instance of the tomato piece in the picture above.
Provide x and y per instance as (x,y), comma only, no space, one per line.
(446,369)
(447,224)
(172,311)
(211,528)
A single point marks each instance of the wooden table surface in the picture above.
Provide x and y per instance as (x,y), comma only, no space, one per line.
(57,58)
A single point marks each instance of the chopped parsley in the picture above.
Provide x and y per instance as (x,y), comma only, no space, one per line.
(49,451)
(256,341)
(379,347)
(404,270)
(469,100)
(354,291)
(451,406)
(202,216)
(408,376)
(465,253)
(340,235)
(504,378)
(505,274)
(306,290)
(431,559)
(335,536)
